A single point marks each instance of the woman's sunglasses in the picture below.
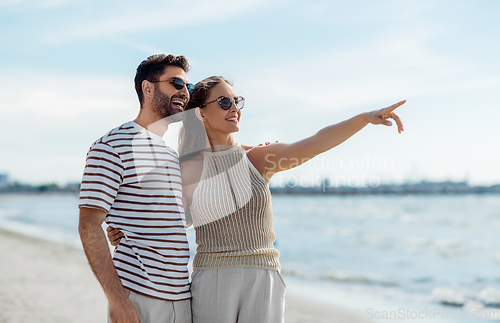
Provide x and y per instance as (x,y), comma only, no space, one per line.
(226,103)
(178,84)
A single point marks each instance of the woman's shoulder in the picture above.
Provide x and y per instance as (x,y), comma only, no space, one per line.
(260,151)
(257,156)
(253,152)
(260,147)
(246,147)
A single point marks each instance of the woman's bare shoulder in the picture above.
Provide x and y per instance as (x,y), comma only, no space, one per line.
(246,147)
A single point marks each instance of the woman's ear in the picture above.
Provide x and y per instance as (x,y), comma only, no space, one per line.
(199,114)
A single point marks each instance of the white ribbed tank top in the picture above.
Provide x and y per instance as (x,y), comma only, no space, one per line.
(232,214)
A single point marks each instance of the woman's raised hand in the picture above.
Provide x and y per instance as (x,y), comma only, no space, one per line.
(114,236)
(381,116)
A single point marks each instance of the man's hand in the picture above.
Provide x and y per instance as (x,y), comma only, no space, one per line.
(381,116)
(123,312)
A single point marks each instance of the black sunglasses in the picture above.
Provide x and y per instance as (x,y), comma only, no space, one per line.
(226,103)
(178,84)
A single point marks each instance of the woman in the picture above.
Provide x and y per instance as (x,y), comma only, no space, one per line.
(236,274)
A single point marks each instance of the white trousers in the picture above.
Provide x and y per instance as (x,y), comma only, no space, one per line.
(152,310)
(238,295)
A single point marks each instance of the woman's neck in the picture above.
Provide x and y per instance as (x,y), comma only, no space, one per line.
(221,142)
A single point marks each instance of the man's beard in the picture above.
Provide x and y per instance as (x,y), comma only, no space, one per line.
(162,107)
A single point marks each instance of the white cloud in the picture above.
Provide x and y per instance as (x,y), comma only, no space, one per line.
(50,121)
(64,97)
(363,12)
(131,17)
(391,67)
(294,99)
(39,4)
(287,99)
(7,3)
(139,46)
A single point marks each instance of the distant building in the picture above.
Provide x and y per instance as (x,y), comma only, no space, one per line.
(4,179)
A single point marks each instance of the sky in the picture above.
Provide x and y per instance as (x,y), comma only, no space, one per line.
(67,69)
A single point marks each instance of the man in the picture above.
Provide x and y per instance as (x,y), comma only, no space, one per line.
(132,182)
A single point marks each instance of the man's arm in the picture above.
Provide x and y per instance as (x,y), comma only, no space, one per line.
(121,309)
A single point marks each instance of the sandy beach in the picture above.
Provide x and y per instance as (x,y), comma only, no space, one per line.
(42,281)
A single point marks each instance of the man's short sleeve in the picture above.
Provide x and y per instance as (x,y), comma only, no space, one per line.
(102,177)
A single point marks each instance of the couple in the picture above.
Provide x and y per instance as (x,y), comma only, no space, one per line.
(134,183)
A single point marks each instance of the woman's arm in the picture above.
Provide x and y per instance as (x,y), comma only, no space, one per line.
(187,213)
(280,156)
(115,235)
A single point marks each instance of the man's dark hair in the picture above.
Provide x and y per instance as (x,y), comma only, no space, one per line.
(151,68)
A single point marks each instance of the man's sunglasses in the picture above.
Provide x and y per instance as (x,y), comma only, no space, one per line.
(178,84)
(226,103)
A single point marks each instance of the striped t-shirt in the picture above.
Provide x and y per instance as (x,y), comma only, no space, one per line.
(135,178)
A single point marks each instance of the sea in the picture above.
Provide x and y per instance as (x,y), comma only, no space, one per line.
(390,258)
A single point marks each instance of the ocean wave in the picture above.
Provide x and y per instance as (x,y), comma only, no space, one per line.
(488,297)
(342,277)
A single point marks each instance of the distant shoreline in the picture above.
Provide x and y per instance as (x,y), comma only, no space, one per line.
(424,188)
(24,193)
